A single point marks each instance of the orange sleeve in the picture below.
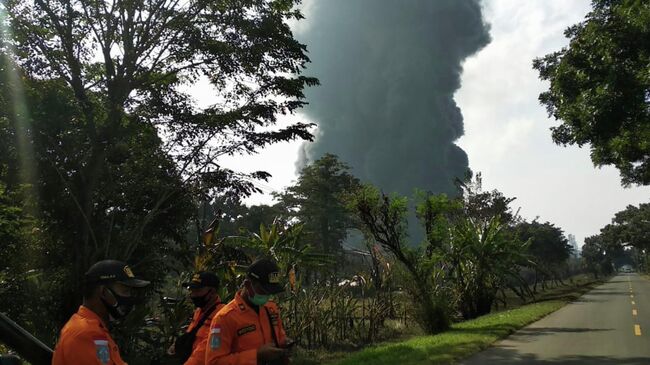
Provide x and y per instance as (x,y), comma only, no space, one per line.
(195,320)
(198,355)
(198,350)
(219,345)
(84,348)
(282,336)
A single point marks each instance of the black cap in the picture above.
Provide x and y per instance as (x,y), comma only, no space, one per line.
(203,279)
(110,271)
(266,272)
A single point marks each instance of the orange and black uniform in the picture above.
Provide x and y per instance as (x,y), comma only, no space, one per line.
(85,340)
(238,330)
(198,348)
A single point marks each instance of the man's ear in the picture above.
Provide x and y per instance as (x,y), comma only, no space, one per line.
(106,294)
(101,291)
(247,285)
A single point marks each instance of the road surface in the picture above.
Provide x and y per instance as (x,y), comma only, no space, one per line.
(608,325)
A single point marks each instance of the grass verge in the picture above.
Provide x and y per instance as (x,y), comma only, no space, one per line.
(465,338)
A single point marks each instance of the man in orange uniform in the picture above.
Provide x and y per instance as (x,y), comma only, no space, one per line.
(248,330)
(108,295)
(203,293)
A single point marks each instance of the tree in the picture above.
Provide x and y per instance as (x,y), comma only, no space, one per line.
(627,231)
(599,87)
(482,206)
(235,216)
(384,220)
(549,249)
(318,200)
(120,147)
(122,202)
(477,251)
(598,256)
(630,227)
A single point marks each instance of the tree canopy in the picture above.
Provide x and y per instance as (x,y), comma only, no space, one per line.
(103,130)
(599,87)
(318,199)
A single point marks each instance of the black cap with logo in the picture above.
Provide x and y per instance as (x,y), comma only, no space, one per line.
(110,271)
(266,272)
(203,279)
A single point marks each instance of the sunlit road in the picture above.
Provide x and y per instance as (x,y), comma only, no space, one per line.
(609,325)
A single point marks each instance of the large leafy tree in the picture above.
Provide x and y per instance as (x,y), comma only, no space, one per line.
(599,87)
(630,227)
(118,142)
(54,254)
(127,65)
(627,235)
(318,200)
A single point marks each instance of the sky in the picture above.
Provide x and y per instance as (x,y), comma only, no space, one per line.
(507,135)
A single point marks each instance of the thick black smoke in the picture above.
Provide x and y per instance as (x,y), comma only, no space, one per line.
(388,72)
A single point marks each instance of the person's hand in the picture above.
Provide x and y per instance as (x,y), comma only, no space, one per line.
(269,352)
(171,351)
(289,345)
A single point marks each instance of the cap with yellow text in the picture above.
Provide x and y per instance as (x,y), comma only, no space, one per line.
(110,271)
(266,272)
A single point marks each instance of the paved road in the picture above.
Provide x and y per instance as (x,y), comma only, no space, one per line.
(608,325)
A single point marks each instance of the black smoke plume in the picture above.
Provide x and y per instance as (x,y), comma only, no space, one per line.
(389,70)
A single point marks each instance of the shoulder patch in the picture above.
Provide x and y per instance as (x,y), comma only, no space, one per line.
(244,330)
(102,352)
(215,338)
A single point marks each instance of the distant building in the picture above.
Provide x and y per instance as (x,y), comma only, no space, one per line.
(574,245)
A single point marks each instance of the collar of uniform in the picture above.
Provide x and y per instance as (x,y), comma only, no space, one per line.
(86,313)
(216,303)
(242,304)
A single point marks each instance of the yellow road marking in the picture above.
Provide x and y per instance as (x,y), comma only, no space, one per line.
(633,303)
(637,330)
(634,313)
(631,296)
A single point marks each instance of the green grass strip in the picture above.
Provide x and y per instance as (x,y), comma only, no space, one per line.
(462,340)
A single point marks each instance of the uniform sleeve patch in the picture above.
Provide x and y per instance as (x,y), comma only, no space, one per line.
(244,330)
(102,351)
(215,338)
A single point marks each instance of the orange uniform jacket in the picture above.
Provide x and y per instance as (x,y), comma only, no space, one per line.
(85,340)
(237,331)
(198,349)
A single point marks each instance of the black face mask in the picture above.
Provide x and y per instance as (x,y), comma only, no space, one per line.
(200,302)
(122,307)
